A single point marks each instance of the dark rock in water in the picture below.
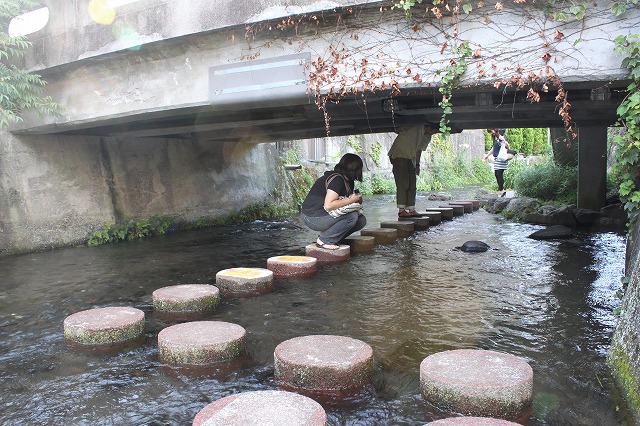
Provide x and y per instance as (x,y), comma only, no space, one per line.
(554,232)
(474,247)
(570,243)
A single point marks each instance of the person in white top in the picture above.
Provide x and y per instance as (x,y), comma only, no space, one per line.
(500,164)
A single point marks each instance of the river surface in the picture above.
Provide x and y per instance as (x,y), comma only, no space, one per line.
(549,303)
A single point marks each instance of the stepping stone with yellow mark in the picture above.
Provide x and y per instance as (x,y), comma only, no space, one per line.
(292,266)
(245,280)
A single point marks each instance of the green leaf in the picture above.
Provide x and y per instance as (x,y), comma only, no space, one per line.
(467,8)
(618,8)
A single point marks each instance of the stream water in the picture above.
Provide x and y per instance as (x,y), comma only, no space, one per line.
(547,302)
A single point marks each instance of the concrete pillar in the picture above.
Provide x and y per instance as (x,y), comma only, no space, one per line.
(592,167)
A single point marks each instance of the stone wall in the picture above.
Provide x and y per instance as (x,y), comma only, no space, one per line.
(624,354)
(56,191)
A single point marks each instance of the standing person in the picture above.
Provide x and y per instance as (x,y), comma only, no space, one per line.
(500,164)
(330,192)
(405,155)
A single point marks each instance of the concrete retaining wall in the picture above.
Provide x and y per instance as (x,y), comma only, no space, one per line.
(624,355)
(56,191)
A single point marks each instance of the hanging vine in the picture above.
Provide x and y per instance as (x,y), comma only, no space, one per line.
(627,164)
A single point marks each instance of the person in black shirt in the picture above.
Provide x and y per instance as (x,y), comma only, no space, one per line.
(332,191)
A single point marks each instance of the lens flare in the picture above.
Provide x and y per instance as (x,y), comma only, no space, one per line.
(101,12)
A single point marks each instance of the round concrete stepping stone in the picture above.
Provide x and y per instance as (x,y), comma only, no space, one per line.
(472,421)
(328,256)
(323,363)
(244,280)
(104,326)
(201,342)
(434,217)
(262,408)
(457,209)
(361,243)
(404,228)
(468,206)
(186,298)
(292,266)
(419,223)
(382,235)
(474,203)
(446,213)
(477,382)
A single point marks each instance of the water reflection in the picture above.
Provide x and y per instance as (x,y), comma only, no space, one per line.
(544,301)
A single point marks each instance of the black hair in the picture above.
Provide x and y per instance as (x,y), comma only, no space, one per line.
(350,165)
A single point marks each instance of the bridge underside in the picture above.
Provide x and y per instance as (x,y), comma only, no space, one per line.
(374,113)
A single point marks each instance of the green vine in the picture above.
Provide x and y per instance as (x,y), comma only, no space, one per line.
(450,77)
(376,153)
(627,164)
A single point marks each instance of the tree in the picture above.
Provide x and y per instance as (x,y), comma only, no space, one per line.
(19,89)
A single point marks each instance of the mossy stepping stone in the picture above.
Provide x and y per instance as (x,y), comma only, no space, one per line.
(201,343)
(323,363)
(264,408)
(104,326)
(186,298)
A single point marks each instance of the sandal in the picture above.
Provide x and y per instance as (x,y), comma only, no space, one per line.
(322,245)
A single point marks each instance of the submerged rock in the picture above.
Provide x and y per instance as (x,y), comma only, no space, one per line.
(553,232)
(474,247)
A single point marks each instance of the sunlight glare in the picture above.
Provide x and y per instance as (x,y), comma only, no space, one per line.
(29,22)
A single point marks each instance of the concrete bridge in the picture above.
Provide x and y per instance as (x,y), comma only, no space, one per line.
(229,71)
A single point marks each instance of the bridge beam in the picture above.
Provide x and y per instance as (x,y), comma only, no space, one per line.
(592,167)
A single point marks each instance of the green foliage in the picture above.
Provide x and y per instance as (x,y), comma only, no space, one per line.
(376,153)
(627,163)
(134,230)
(406,6)
(446,168)
(293,155)
(19,89)
(354,143)
(514,136)
(526,141)
(488,140)
(546,181)
(375,183)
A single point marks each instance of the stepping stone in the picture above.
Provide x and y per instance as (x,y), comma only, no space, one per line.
(457,209)
(361,243)
(201,343)
(477,383)
(328,256)
(468,206)
(434,217)
(292,266)
(382,235)
(446,213)
(419,223)
(245,280)
(404,228)
(104,326)
(323,363)
(186,298)
(264,408)
(475,203)
(472,421)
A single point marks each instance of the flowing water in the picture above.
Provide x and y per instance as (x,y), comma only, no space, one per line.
(547,302)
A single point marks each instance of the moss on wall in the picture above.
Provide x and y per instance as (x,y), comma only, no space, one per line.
(624,355)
